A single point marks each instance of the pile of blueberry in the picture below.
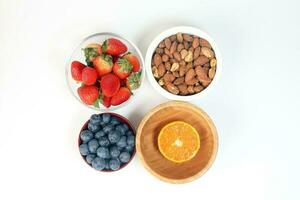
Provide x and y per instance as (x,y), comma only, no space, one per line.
(107,143)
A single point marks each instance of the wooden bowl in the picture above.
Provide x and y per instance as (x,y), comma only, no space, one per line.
(152,159)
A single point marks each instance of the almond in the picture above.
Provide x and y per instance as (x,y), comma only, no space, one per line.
(167,42)
(189,57)
(177,55)
(159,50)
(168,77)
(172,88)
(183,89)
(207,52)
(202,76)
(182,62)
(182,70)
(192,81)
(168,65)
(204,43)
(173,47)
(195,42)
(189,66)
(175,67)
(198,88)
(179,37)
(173,38)
(162,45)
(189,75)
(187,37)
(157,59)
(165,58)
(197,52)
(178,81)
(180,47)
(201,60)
(186,45)
(161,70)
(167,52)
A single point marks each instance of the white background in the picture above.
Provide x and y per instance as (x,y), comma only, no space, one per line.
(255,105)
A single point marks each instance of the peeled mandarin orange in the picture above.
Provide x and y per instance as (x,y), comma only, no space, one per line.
(178,141)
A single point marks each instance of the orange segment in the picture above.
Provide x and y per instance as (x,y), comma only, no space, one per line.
(178,141)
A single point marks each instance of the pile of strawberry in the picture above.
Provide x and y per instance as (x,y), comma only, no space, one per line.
(109,76)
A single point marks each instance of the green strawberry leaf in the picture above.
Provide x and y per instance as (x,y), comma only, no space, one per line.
(125,65)
(99,100)
(134,80)
(96,103)
(90,53)
(107,58)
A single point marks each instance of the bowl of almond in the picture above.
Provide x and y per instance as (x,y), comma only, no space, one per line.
(183,63)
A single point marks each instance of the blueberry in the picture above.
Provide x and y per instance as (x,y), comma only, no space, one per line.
(99,134)
(121,129)
(107,165)
(94,127)
(99,163)
(124,157)
(130,140)
(103,152)
(84,149)
(114,121)
(129,148)
(95,119)
(114,136)
(93,145)
(114,164)
(108,128)
(129,133)
(125,127)
(122,142)
(86,136)
(103,141)
(114,151)
(106,117)
(89,158)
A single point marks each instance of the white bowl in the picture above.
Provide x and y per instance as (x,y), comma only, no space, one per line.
(79,55)
(161,37)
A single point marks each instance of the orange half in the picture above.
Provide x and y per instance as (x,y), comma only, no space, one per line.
(178,141)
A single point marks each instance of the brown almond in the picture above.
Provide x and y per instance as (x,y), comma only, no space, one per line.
(173,38)
(173,47)
(159,50)
(172,88)
(186,45)
(178,81)
(179,37)
(195,42)
(201,60)
(177,55)
(174,67)
(183,89)
(182,62)
(157,59)
(204,43)
(192,81)
(189,66)
(162,45)
(165,58)
(161,70)
(189,75)
(197,52)
(207,52)
(202,75)
(187,37)
(198,88)
(182,70)
(167,52)
(190,89)
(183,53)
(168,77)
(168,65)
(167,42)
(189,57)
(172,60)
(211,73)
(180,47)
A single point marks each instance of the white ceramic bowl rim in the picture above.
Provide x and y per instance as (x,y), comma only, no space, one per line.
(141,58)
(161,37)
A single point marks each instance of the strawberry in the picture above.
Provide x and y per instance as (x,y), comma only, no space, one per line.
(89,76)
(122,68)
(88,94)
(104,100)
(134,61)
(121,96)
(113,46)
(134,81)
(110,85)
(76,70)
(103,64)
(91,51)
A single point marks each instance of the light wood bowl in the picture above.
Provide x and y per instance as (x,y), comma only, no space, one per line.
(152,159)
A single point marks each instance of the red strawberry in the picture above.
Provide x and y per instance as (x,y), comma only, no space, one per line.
(103,64)
(91,52)
(88,94)
(134,61)
(122,68)
(110,85)
(76,70)
(122,95)
(113,46)
(106,101)
(134,81)
(89,76)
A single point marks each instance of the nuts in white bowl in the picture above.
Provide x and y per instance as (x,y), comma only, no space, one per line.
(183,63)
